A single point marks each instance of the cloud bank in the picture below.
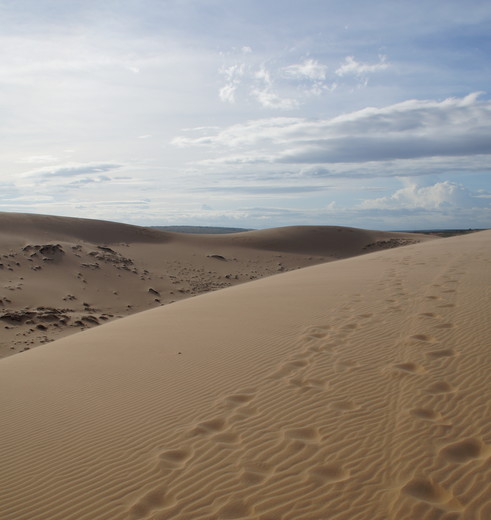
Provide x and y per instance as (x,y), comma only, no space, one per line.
(414,129)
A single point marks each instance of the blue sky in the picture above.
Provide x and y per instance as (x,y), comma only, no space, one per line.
(250,114)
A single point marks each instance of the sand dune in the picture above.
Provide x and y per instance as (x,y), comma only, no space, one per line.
(356,389)
(61,275)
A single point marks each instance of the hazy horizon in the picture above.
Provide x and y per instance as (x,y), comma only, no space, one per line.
(251,114)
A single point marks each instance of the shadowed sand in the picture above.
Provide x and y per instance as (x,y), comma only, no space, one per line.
(357,389)
(61,275)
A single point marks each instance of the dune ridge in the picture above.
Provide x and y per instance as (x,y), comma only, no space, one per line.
(349,390)
(61,275)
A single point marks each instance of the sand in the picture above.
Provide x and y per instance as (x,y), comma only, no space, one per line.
(60,276)
(355,389)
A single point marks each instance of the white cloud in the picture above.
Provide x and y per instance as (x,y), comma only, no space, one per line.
(227,92)
(39,159)
(271,83)
(270,99)
(309,69)
(266,95)
(441,195)
(351,66)
(70,170)
(233,77)
(410,130)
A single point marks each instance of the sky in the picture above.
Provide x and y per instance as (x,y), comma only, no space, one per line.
(248,113)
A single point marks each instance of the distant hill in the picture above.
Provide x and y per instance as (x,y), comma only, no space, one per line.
(444,233)
(201,230)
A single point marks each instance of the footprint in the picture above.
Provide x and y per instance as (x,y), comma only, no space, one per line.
(446,305)
(329,473)
(209,427)
(424,337)
(309,385)
(330,347)
(238,399)
(233,509)
(345,405)
(365,315)
(428,314)
(226,438)
(255,472)
(426,414)
(155,499)
(464,450)
(412,368)
(429,491)
(317,335)
(447,352)
(314,349)
(350,326)
(445,326)
(174,458)
(250,478)
(244,412)
(288,368)
(317,332)
(303,434)
(293,365)
(317,384)
(343,366)
(441,387)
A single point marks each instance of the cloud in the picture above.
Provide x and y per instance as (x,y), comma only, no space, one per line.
(84,181)
(424,166)
(251,133)
(372,148)
(407,131)
(311,76)
(233,77)
(71,170)
(351,66)
(39,159)
(270,99)
(8,191)
(258,190)
(267,96)
(271,83)
(441,195)
(309,69)
(276,85)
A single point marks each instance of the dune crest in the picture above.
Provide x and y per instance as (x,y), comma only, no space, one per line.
(350,390)
(60,275)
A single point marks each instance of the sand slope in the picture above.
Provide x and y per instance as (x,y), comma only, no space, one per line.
(357,389)
(61,275)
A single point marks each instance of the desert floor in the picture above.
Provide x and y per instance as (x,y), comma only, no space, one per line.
(60,276)
(353,389)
